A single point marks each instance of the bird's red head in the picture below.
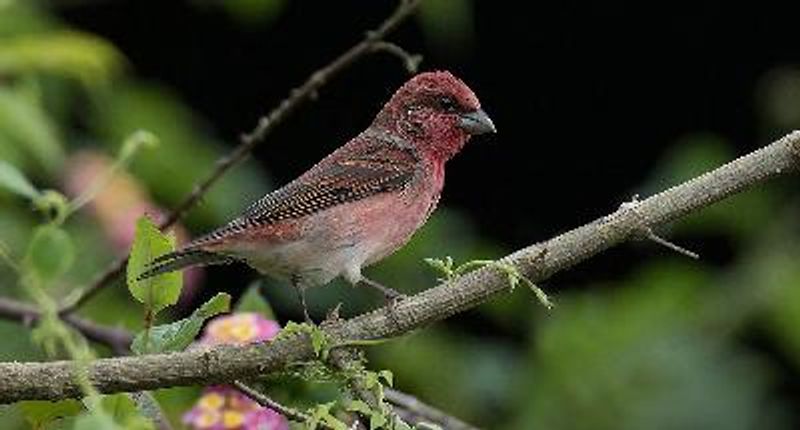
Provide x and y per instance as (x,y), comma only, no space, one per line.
(437,112)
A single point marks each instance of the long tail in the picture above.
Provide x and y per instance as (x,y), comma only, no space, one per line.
(182,259)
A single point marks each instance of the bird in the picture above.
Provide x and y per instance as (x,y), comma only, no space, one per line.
(356,206)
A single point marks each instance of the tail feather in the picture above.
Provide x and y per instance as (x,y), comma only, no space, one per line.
(182,259)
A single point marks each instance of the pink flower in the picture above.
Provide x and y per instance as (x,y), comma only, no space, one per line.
(239,329)
(222,407)
(265,419)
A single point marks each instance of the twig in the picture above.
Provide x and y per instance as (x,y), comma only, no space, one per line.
(264,127)
(410,61)
(417,411)
(150,408)
(667,244)
(221,364)
(118,339)
(263,400)
(647,232)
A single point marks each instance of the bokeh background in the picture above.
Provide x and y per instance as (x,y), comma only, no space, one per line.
(593,103)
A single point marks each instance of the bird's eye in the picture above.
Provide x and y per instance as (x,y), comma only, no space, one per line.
(447,104)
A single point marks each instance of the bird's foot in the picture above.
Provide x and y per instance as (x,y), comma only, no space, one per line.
(301,296)
(307,318)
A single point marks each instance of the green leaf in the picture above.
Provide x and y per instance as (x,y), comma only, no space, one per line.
(95,421)
(401,425)
(13,180)
(376,420)
(359,406)
(156,292)
(123,411)
(88,58)
(40,412)
(25,125)
(50,253)
(319,340)
(371,379)
(322,414)
(117,412)
(137,140)
(443,265)
(178,335)
(387,376)
(253,301)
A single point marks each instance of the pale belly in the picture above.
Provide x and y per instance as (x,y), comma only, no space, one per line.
(343,239)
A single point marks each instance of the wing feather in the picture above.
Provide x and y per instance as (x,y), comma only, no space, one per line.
(356,171)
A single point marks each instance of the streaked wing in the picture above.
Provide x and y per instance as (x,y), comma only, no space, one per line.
(354,172)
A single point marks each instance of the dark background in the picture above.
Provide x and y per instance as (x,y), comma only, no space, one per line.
(586,97)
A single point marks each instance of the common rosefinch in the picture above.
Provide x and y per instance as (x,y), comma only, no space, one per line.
(360,203)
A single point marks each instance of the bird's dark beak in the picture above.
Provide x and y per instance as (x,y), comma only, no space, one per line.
(477,122)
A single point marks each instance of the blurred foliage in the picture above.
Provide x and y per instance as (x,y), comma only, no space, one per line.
(248,12)
(187,150)
(449,25)
(777,97)
(28,136)
(672,344)
(89,59)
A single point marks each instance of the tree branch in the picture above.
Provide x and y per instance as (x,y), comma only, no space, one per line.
(222,364)
(263,400)
(119,340)
(372,42)
(414,411)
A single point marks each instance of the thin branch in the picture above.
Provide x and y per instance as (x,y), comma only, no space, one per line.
(150,408)
(221,364)
(410,61)
(669,245)
(117,339)
(262,399)
(266,124)
(415,411)
(646,232)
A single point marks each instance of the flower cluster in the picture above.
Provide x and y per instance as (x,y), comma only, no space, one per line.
(222,407)
(239,329)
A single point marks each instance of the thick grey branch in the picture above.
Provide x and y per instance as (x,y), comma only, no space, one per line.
(223,364)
